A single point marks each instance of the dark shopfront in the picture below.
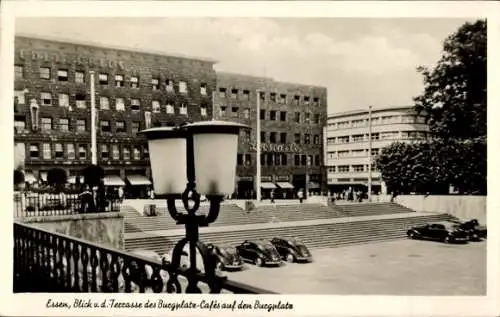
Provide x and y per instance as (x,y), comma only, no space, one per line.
(245,188)
(137,186)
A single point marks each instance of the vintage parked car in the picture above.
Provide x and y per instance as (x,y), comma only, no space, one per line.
(439,231)
(474,229)
(185,260)
(227,257)
(259,252)
(292,249)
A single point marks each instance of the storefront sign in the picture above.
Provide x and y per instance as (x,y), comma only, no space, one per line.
(269,147)
(266,178)
(282,178)
(245,178)
(91,61)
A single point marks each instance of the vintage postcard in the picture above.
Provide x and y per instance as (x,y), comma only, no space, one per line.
(252,158)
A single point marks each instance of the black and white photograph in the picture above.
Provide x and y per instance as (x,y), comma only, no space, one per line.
(247,155)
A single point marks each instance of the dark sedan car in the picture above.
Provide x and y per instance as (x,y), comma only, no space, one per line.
(292,250)
(227,257)
(259,252)
(439,231)
(475,231)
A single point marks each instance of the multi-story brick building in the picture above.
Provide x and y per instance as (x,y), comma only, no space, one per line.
(292,117)
(134,90)
(348,147)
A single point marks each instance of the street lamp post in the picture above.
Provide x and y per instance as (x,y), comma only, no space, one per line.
(186,162)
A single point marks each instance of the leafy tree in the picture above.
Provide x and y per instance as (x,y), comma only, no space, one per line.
(57,177)
(454,98)
(92,175)
(18,177)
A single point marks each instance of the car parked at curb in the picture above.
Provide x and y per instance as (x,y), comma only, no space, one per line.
(292,249)
(227,257)
(447,232)
(260,253)
(476,231)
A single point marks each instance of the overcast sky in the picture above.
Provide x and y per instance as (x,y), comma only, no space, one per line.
(361,61)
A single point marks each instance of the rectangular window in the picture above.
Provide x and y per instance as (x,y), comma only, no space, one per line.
(246,95)
(343,139)
(317,118)
(203,110)
(343,168)
(277,159)
(126,153)
(248,159)
(19,95)
(137,152)
(18,72)
(115,152)
(282,99)
(63,125)
(389,135)
(183,109)
(316,139)
(155,105)
(272,115)
(105,127)
(317,160)
(234,111)
(239,159)
(234,94)
(135,104)
(296,99)
(272,137)
(104,103)
(19,124)
(374,152)
(46,124)
(120,104)
(343,154)
(284,161)
(46,98)
(63,100)
(358,123)
(343,125)
(62,75)
(296,138)
(82,151)
(34,151)
(222,111)
(70,150)
(263,159)
(316,101)
(307,117)
(246,113)
(120,127)
(303,160)
(58,151)
(169,85)
(222,92)
(103,79)
(263,137)
(79,77)
(262,95)
(155,84)
(170,108)
(358,153)
(283,137)
(119,82)
(297,160)
(80,101)
(136,126)
(358,138)
(297,117)
(81,125)
(203,89)
(262,114)
(145,152)
(358,168)
(272,96)
(306,100)
(45,72)
(104,151)
(375,136)
(134,82)
(283,115)
(183,87)
(270,159)
(307,138)
(46,151)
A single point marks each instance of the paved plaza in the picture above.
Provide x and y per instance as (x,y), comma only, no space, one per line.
(402,267)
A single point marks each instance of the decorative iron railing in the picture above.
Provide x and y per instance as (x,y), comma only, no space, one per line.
(29,204)
(51,262)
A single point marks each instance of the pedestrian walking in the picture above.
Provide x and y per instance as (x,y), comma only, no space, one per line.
(300,194)
(272,196)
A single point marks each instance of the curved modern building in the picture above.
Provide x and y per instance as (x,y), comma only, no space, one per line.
(347,146)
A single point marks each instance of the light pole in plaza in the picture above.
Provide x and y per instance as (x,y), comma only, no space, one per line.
(186,162)
(258,148)
(370,153)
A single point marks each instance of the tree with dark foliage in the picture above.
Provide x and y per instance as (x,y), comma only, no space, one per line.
(57,178)
(92,175)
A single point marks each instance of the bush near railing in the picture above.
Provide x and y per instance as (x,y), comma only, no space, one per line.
(50,262)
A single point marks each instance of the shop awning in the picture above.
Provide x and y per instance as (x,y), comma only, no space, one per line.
(113,180)
(138,180)
(72,179)
(313,185)
(43,176)
(284,185)
(267,185)
(29,178)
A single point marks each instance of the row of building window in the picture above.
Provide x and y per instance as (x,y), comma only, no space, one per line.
(281,137)
(352,153)
(63,125)
(244,94)
(104,103)
(347,124)
(103,79)
(68,152)
(392,135)
(271,115)
(279,159)
(357,168)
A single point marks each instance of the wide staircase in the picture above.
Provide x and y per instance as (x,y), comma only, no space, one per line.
(232,214)
(314,236)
